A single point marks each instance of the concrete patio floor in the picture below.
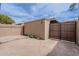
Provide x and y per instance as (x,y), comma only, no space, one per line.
(65,48)
(25,46)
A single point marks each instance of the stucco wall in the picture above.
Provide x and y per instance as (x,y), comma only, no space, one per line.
(77,32)
(7,30)
(36,28)
(47,22)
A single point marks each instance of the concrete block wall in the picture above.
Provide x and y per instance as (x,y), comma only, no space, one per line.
(8,30)
(36,28)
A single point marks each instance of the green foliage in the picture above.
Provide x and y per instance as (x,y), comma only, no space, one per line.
(33,36)
(6,19)
(72,6)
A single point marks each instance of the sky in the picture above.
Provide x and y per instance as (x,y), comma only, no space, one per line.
(24,12)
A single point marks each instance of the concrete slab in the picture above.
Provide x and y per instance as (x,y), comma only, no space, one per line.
(26,46)
(65,48)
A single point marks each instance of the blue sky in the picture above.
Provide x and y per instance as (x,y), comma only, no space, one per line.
(23,12)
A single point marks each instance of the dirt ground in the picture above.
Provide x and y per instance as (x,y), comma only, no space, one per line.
(25,46)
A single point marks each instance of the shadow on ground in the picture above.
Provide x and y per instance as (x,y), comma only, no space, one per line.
(65,48)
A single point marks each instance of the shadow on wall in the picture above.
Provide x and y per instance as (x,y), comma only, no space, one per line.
(22,30)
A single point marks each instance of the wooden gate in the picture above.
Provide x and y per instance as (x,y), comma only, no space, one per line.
(68,31)
(63,31)
(55,30)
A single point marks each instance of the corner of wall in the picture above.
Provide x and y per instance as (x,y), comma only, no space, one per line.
(47,29)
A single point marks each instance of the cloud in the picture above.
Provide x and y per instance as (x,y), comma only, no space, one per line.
(15,12)
(29,11)
(69,15)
